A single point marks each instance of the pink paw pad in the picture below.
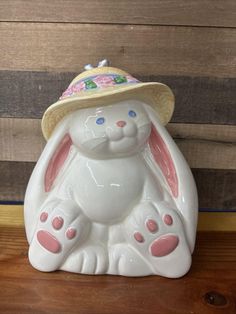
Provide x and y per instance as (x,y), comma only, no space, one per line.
(152,225)
(57,222)
(43,216)
(70,233)
(138,237)
(48,241)
(168,220)
(164,245)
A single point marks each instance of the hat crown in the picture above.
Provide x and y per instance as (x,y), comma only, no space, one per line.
(98,71)
(97,79)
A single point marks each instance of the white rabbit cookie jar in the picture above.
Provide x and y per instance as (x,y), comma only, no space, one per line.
(111,193)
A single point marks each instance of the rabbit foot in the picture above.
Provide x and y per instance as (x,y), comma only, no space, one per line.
(61,226)
(158,234)
(89,259)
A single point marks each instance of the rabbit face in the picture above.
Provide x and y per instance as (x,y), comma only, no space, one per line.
(119,129)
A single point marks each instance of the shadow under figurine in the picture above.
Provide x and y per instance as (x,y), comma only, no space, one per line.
(111,192)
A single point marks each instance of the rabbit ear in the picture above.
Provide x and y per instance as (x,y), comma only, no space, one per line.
(45,172)
(164,160)
(56,162)
(165,153)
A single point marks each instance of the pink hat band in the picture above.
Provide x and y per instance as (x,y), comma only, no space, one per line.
(99,81)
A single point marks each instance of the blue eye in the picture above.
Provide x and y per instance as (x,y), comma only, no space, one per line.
(132,114)
(100,120)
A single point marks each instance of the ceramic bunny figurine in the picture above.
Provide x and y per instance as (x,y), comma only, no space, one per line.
(111,192)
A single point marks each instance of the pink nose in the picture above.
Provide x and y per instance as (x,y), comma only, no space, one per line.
(121,124)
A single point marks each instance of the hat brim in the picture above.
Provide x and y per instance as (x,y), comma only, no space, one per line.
(158,95)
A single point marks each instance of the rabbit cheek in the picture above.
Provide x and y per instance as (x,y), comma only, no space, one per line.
(130,130)
(114,134)
(144,133)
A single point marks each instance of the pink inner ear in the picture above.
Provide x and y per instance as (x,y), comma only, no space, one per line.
(57,161)
(163,158)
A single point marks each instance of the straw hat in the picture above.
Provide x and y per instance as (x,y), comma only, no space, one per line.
(104,85)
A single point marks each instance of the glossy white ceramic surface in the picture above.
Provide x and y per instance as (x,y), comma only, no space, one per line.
(112,194)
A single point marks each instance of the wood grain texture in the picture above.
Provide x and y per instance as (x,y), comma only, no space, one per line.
(21,139)
(11,216)
(216,187)
(201,153)
(160,12)
(26,94)
(217,221)
(14,179)
(156,50)
(204,146)
(206,132)
(25,290)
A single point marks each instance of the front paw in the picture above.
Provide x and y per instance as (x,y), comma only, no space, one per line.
(61,226)
(158,234)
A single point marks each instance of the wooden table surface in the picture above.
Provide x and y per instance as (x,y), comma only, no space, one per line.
(209,287)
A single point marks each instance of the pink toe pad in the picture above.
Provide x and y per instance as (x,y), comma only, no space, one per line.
(152,225)
(43,216)
(168,220)
(70,233)
(164,245)
(48,241)
(57,222)
(138,237)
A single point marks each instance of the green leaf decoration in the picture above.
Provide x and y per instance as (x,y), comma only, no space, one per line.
(89,84)
(119,79)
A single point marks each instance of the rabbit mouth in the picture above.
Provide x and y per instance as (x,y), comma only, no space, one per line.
(124,145)
(118,137)
(129,138)
(124,141)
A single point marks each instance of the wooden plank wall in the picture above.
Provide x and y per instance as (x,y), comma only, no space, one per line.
(190,45)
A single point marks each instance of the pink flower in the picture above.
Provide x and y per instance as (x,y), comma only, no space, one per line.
(103,81)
